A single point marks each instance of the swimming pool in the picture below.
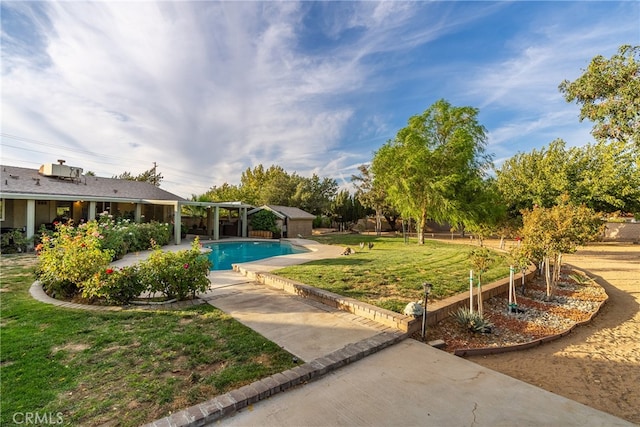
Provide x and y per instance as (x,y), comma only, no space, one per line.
(222,255)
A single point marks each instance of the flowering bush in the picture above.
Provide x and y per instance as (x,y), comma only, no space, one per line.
(123,236)
(76,259)
(176,274)
(115,285)
(70,256)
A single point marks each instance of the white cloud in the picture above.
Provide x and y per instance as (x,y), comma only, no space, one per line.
(207,89)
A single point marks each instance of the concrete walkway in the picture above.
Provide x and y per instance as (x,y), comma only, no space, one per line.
(395,381)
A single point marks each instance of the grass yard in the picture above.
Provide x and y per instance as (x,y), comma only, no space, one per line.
(391,274)
(121,368)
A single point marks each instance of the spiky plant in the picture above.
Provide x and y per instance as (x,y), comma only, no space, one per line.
(472,321)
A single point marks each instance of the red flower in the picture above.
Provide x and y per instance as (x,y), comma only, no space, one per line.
(109,270)
(186,266)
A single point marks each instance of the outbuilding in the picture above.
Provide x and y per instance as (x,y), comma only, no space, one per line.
(292,221)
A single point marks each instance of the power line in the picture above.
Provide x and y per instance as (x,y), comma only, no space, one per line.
(178,172)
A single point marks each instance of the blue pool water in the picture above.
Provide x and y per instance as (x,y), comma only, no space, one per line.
(222,255)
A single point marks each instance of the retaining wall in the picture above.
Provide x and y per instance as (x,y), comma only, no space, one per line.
(436,311)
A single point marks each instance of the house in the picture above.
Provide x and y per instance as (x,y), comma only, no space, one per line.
(31,198)
(292,221)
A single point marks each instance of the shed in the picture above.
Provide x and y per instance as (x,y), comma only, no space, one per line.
(292,221)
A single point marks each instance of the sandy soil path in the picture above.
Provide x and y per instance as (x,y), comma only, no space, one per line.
(597,364)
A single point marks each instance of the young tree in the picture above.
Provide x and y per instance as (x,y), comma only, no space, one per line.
(548,233)
(609,92)
(431,162)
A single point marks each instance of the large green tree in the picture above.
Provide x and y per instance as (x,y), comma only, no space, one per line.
(314,194)
(272,186)
(346,209)
(432,162)
(603,176)
(224,193)
(609,92)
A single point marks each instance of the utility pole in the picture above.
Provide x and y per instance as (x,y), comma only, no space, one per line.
(155,175)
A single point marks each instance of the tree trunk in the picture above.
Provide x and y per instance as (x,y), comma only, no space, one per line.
(378,223)
(556,269)
(480,312)
(547,277)
(421,226)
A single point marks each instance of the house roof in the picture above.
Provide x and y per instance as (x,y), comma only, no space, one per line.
(286,211)
(19,182)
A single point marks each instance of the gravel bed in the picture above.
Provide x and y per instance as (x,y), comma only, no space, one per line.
(537,318)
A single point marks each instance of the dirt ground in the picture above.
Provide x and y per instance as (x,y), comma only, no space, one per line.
(597,364)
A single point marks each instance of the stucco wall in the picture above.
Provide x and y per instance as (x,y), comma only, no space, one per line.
(622,232)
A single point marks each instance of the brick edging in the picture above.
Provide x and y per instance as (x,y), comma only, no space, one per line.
(229,403)
(38,293)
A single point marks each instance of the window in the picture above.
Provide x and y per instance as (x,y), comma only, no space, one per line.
(1,209)
(63,210)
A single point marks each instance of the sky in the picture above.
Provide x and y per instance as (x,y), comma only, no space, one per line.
(208,89)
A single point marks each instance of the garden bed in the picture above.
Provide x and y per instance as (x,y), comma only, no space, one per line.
(573,303)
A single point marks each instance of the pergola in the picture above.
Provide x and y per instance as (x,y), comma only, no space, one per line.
(212,216)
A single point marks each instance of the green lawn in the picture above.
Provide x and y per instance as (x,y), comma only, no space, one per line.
(391,274)
(127,367)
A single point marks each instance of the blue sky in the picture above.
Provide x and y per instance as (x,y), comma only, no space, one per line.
(207,89)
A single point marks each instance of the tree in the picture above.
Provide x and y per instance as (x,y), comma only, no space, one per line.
(314,195)
(548,233)
(152,176)
(431,162)
(273,186)
(370,193)
(346,209)
(609,92)
(603,176)
(224,193)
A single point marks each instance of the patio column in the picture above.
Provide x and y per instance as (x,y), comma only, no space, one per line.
(216,223)
(91,215)
(31,219)
(210,229)
(138,213)
(177,222)
(244,222)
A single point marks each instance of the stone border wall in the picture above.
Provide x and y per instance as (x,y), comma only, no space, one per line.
(436,311)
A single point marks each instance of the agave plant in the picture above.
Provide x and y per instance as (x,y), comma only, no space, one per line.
(580,279)
(473,321)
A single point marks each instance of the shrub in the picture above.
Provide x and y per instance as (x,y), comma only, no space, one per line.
(123,236)
(115,285)
(69,257)
(14,241)
(321,222)
(176,274)
(472,321)
(264,220)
